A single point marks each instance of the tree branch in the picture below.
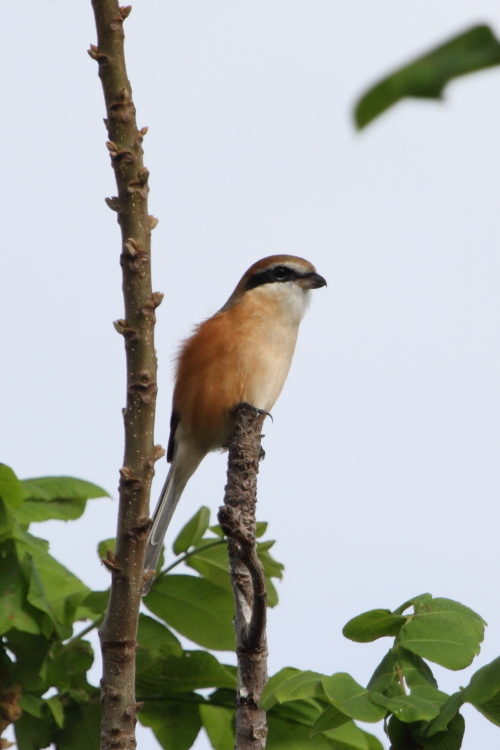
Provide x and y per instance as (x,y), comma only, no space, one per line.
(119,629)
(237,520)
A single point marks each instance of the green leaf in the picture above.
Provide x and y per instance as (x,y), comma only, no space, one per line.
(288,735)
(11,490)
(427,76)
(156,638)
(33,704)
(192,533)
(268,698)
(219,725)
(260,528)
(451,739)
(67,666)
(195,608)
(61,498)
(176,724)
(374,624)
(194,670)
(483,692)
(82,727)
(29,669)
(407,708)
(351,737)
(303,685)
(103,547)
(352,699)
(212,563)
(92,605)
(63,590)
(331,718)
(444,632)
(57,710)
(272,568)
(15,610)
(33,733)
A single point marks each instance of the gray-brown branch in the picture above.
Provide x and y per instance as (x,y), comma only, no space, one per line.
(238,522)
(119,630)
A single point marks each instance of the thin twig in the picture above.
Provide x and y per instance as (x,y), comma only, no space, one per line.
(118,632)
(88,629)
(238,522)
(180,560)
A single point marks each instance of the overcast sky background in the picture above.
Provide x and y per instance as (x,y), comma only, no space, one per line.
(382,473)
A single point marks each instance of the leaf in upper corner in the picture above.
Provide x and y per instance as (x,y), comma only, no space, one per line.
(11,490)
(374,624)
(443,631)
(192,533)
(218,722)
(426,77)
(175,724)
(196,608)
(61,498)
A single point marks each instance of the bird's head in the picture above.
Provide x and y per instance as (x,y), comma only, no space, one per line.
(285,280)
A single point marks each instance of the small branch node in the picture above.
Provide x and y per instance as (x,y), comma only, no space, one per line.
(140,531)
(110,564)
(157,298)
(153,222)
(131,246)
(113,203)
(159,452)
(96,55)
(129,479)
(131,711)
(121,326)
(144,130)
(125,11)
(112,147)
(122,109)
(143,175)
(111,692)
(145,388)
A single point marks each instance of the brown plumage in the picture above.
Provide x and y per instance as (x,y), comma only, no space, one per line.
(241,354)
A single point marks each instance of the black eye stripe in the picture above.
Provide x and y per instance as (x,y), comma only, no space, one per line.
(272,275)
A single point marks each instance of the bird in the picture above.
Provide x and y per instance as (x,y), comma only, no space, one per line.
(242,354)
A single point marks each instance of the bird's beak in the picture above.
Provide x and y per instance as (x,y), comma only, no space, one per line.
(311,281)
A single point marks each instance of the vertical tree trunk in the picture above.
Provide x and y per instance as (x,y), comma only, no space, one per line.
(119,629)
(237,520)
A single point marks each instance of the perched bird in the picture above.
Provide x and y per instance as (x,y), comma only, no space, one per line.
(241,354)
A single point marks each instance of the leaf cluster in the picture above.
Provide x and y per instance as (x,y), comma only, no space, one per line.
(402,691)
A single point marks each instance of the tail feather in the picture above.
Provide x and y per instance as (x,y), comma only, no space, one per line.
(170,496)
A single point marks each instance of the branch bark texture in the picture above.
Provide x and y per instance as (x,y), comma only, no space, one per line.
(238,522)
(119,629)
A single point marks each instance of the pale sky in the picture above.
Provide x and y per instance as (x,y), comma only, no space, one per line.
(382,476)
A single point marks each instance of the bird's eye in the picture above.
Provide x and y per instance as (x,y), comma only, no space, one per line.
(281,273)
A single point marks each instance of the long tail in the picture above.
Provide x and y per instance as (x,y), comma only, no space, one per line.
(170,496)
